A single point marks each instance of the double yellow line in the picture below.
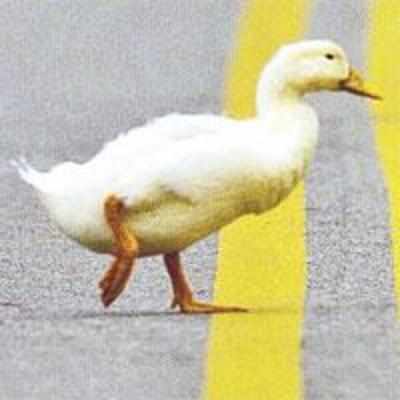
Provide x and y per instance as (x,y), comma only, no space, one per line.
(262,261)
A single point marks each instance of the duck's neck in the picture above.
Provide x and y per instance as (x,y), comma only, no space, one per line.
(274,92)
(282,109)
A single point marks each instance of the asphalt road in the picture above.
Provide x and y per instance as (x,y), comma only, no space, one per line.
(351,331)
(73,75)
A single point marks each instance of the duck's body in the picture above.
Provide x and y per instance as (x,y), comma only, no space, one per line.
(182,177)
(163,186)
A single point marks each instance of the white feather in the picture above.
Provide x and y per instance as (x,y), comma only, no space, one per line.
(185,176)
(28,174)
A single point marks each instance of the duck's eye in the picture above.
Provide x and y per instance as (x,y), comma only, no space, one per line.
(329,56)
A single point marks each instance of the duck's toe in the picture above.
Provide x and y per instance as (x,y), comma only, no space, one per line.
(197,307)
(115,280)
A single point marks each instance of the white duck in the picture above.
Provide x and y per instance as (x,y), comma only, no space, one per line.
(161,187)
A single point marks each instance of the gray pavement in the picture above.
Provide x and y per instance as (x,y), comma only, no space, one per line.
(73,75)
(351,333)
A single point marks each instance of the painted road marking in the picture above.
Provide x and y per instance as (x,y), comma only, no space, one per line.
(262,261)
(349,326)
(383,65)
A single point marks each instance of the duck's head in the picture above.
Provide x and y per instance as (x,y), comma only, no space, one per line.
(310,66)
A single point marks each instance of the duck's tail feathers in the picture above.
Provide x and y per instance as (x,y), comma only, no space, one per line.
(30,175)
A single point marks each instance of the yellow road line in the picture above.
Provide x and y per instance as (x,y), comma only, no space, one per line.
(262,261)
(383,63)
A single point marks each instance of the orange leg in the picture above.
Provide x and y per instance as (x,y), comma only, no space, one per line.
(126,249)
(183,294)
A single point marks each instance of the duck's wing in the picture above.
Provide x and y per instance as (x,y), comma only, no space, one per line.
(186,172)
(148,139)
